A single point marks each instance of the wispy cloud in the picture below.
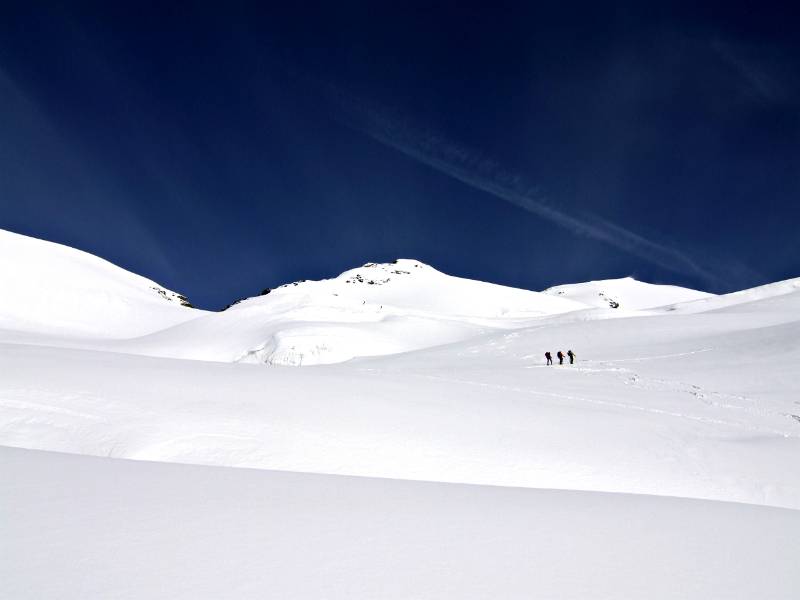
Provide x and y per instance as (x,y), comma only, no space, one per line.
(756,75)
(474,170)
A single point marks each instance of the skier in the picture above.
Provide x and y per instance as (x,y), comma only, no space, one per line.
(549,357)
(560,356)
(571,355)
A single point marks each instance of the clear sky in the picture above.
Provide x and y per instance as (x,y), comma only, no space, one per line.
(223,150)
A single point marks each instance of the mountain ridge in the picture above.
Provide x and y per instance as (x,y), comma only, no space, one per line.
(371,310)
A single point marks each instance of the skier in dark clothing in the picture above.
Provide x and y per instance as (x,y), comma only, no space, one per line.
(560,356)
(549,358)
(571,355)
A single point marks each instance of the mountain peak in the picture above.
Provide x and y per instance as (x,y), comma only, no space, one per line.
(626,293)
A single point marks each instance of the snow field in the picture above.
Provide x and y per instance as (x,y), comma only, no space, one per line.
(413,383)
(80,527)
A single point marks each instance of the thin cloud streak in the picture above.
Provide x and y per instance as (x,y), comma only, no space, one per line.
(486,175)
(758,81)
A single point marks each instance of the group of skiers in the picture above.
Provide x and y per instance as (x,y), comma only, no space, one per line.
(560,356)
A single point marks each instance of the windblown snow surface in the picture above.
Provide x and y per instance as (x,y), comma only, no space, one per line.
(423,450)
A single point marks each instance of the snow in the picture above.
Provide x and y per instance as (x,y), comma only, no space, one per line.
(80,527)
(408,375)
(376,309)
(625,293)
(738,301)
(52,289)
(685,410)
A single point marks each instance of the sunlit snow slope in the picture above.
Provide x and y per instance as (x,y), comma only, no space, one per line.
(675,401)
(625,294)
(62,296)
(55,290)
(428,378)
(373,310)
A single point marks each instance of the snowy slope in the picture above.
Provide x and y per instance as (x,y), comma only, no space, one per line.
(664,404)
(625,293)
(437,379)
(55,290)
(68,297)
(373,310)
(81,527)
(742,301)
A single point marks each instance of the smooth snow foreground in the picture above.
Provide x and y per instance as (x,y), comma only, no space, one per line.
(408,374)
(80,527)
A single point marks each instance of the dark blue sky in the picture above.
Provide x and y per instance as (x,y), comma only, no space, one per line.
(223,150)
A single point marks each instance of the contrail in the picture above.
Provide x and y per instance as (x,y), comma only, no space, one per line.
(486,175)
(396,131)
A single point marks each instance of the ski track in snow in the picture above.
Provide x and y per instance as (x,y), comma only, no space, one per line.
(645,384)
(32,408)
(658,384)
(660,356)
